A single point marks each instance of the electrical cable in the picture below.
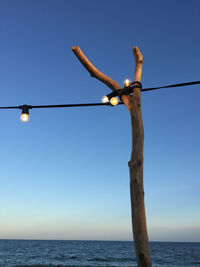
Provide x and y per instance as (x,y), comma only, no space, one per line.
(133,84)
(60,106)
(172,85)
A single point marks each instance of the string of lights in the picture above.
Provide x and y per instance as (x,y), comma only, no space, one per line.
(108,100)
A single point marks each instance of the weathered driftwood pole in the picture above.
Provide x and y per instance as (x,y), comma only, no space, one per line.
(133,103)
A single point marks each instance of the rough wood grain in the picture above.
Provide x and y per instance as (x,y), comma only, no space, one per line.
(136,171)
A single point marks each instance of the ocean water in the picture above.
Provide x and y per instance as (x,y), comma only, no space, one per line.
(36,253)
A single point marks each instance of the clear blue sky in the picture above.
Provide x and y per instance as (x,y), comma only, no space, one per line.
(64,174)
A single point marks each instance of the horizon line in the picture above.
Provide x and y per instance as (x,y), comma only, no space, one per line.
(93,240)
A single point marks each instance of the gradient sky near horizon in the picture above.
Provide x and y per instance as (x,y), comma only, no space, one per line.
(64,174)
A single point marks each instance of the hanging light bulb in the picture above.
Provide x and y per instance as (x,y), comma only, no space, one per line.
(127,83)
(24,117)
(25,113)
(105,99)
(114,101)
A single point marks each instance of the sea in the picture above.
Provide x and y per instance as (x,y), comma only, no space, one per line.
(51,253)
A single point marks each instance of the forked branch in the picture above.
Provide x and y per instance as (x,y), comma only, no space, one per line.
(133,104)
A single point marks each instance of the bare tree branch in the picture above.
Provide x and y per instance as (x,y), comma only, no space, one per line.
(138,63)
(94,72)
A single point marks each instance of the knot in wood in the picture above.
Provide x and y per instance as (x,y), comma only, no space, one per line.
(135,163)
(139,162)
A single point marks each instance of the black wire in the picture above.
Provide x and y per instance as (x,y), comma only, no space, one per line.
(74,105)
(172,85)
(101,104)
(9,107)
(61,106)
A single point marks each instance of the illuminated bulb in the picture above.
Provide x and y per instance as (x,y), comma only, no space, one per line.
(24,117)
(105,99)
(25,113)
(114,101)
(127,83)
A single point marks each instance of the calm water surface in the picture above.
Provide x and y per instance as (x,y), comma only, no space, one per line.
(21,253)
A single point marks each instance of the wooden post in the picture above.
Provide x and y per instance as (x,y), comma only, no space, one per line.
(136,171)
(133,103)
